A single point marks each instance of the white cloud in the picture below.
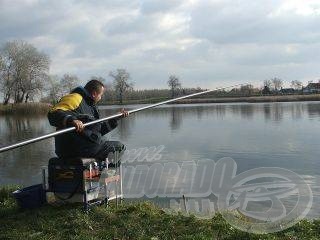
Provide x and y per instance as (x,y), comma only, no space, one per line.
(304,8)
(252,22)
(206,43)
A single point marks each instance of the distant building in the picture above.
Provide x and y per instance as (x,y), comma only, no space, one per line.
(312,88)
(287,91)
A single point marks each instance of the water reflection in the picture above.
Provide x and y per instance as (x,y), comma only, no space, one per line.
(297,111)
(277,112)
(313,110)
(176,119)
(23,165)
(244,110)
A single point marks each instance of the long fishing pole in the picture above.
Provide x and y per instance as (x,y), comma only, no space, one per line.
(37,139)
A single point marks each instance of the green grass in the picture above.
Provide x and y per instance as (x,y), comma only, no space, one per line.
(25,108)
(140,220)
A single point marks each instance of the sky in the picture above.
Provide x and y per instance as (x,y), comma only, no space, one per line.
(206,43)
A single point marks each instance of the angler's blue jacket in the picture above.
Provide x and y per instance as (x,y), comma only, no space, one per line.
(78,105)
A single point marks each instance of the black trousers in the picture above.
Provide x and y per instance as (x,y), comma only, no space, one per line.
(111,150)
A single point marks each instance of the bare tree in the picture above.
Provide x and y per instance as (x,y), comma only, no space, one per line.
(296,84)
(121,83)
(7,56)
(54,89)
(37,68)
(56,86)
(69,82)
(174,84)
(24,71)
(267,83)
(277,83)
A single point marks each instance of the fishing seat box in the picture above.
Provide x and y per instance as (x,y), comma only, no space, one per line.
(68,176)
(84,180)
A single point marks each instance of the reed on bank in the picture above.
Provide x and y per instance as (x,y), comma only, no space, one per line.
(25,108)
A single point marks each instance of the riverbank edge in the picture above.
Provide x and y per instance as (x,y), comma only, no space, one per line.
(139,220)
(43,108)
(253,99)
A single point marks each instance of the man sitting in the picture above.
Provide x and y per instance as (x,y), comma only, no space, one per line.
(75,109)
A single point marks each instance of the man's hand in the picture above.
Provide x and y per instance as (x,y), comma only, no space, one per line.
(78,125)
(124,113)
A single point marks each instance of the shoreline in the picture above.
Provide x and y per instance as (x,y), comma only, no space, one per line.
(43,108)
(252,99)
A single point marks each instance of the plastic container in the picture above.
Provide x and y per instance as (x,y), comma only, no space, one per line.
(30,197)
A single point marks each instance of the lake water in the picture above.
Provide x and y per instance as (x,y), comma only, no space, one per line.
(254,135)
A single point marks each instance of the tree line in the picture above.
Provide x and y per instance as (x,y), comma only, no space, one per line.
(24,77)
(276,84)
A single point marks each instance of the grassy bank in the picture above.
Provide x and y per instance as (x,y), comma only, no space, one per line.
(128,221)
(25,108)
(255,99)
